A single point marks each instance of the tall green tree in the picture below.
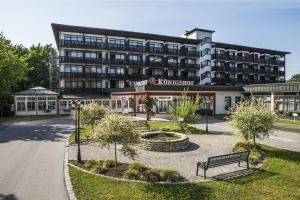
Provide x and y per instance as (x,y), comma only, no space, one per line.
(295,78)
(12,70)
(39,58)
(148,103)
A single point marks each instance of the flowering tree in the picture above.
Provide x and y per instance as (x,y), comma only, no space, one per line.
(115,129)
(253,119)
(185,111)
(91,114)
(148,103)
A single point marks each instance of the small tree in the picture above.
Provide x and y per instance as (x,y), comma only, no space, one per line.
(132,104)
(148,103)
(115,129)
(185,111)
(253,119)
(91,114)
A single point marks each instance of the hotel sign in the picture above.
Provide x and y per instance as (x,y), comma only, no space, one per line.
(154,81)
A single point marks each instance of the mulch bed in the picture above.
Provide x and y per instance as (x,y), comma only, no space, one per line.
(122,167)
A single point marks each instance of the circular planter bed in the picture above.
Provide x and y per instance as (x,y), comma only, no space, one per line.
(164,141)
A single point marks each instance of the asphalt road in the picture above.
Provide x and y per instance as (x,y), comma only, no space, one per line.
(31,159)
(280,139)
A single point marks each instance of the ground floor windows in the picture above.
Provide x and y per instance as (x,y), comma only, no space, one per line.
(227,103)
(21,106)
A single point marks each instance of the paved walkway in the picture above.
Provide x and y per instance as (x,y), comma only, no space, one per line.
(184,162)
(280,139)
(31,155)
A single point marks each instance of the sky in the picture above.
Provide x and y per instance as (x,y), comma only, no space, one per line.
(272,24)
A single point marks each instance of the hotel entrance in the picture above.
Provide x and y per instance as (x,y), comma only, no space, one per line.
(164,104)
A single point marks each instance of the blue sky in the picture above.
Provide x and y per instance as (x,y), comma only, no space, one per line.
(273,24)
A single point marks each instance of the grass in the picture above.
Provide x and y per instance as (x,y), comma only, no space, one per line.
(288,127)
(288,121)
(85,131)
(163,125)
(14,119)
(273,181)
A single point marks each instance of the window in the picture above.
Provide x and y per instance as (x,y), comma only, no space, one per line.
(119,84)
(173,47)
(119,42)
(90,69)
(113,104)
(135,43)
(42,105)
(30,106)
(73,37)
(155,59)
(227,103)
(205,63)
(191,48)
(63,105)
(76,54)
(120,57)
(238,100)
(126,104)
(51,105)
(90,55)
(73,69)
(20,106)
(157,72)
(93,39)
(206,40)
(73,84)
(135,57)
(191,61)
(206,51)
(155,45)
(173,60)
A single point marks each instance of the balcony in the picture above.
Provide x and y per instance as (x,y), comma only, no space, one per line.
(247,59)
(246,70)
(82,44)
(126,47)
(67,59)
(74,75)
(243,81)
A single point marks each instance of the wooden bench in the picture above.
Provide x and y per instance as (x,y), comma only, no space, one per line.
(221,160)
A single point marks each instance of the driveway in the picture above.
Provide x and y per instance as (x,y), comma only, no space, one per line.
(32,155)
(280,139)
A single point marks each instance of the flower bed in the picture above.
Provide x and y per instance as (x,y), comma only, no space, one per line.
(133,171)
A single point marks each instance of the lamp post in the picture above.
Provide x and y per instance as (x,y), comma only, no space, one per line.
(206,113)
(76,106)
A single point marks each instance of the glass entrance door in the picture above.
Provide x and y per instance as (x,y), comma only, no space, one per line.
(163,106)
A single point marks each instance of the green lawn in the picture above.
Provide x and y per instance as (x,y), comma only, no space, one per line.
(28,118)
(84,134)
(160,125)
(288,121)
(279,178)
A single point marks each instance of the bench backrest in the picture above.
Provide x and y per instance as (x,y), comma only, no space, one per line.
(227,159)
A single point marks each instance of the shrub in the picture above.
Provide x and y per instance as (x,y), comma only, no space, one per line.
(170,176)
(257,154)
(255,157)
(132,174)
(152,175)
(90,163)
(140,167)
(99,168)
(109,163)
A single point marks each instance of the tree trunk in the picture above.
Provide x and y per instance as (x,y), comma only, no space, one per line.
(116,157)
(254,140)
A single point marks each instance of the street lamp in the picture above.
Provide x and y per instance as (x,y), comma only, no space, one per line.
(76,106)
(206,113)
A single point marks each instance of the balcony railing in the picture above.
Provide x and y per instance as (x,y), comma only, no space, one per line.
(246,70)
(68,59)
(126,47)
(242,81)
(247,59)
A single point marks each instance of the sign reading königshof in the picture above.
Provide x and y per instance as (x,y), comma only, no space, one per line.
(154,81)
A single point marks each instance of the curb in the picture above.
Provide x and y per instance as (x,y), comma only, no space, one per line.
(67,178)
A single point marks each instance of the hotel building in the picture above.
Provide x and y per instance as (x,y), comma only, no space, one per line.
(111,66)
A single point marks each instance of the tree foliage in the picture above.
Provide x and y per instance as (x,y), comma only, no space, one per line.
(91,114)
(186,110)
(115,129)
(253,119)
(12,70)
(295,78)
(132,104)
(148,103)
